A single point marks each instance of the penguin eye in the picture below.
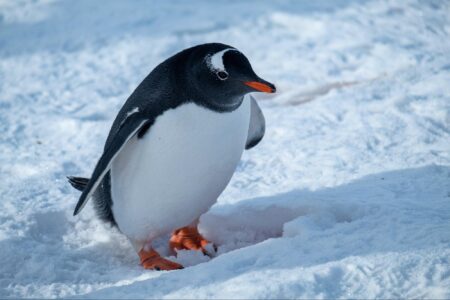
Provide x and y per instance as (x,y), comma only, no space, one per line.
(222,75)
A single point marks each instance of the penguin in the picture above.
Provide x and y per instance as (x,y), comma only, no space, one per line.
(173,148)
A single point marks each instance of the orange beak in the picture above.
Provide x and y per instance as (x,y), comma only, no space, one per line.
(260,86)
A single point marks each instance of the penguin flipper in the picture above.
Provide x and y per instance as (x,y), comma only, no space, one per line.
(257,125)
(128,129)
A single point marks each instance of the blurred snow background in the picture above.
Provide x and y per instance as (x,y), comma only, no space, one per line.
(347,196)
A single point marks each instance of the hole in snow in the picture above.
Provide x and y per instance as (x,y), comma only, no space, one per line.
(253,221)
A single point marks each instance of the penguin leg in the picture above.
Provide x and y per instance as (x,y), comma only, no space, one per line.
(150,259)
(188,238)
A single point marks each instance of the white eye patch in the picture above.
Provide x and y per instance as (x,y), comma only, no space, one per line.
(215,61)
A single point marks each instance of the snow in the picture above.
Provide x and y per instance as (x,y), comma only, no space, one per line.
(347,196)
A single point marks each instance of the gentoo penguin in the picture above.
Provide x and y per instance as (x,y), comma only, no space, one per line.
(173,148)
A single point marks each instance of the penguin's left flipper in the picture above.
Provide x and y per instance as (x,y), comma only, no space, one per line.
(257,126)
(129,128)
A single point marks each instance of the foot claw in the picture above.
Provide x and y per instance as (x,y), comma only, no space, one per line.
(153,261)
(209,250)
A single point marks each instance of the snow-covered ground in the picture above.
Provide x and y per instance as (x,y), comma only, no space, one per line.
(347,196)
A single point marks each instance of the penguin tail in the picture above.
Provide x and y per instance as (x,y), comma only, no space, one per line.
(78,182)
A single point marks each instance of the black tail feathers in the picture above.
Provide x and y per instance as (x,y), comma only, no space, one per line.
(78,182)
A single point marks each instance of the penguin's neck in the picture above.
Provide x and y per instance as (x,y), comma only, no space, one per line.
(211,104)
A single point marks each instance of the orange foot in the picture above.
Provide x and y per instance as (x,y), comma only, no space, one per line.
(152,260)
(188,238)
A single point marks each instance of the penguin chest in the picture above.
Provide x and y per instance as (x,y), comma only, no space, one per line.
(176,172)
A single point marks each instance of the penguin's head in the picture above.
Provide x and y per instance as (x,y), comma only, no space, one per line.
(222,75)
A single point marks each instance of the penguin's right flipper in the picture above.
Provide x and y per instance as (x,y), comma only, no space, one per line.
(128,129)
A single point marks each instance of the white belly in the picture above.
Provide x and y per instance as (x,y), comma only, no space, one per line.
(172,175)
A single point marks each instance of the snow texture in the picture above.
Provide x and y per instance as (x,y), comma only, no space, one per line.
(347,196)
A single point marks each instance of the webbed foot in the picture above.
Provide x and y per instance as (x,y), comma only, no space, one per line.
(188,238)
(153,261)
